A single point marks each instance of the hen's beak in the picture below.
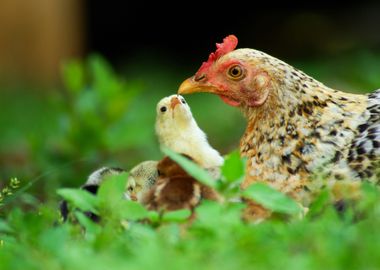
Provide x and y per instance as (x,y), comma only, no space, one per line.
(192,86)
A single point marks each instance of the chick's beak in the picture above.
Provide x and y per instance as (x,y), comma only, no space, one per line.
(191,85)
(134,197)
(174,102)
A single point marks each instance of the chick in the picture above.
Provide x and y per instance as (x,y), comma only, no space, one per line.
(177,130)
(141,178)
(98,176)
(175,189)
(92,185)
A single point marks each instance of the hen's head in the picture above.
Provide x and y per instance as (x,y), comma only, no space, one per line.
(242,78)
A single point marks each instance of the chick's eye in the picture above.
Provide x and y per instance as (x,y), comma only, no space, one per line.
(235,72)
(163,109)
(183,101)
(130,188)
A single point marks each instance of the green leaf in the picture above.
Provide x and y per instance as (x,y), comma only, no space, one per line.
(4,227)
(320,203)
(86,105)
(113,203)
(111,191)
(370,190)
(73,76)
(82,199)
(133,210)
(53,239)
(369,196)
(87,223)
(191,168)
(233,167)
(104,81)
(153,216)
(272,199)
(177,216)
(209,214)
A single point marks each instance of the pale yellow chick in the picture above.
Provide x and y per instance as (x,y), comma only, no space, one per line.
(177,130)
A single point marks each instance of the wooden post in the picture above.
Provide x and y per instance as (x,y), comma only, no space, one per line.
(36,36)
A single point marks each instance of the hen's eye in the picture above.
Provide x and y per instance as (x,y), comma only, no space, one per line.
(130,188)
(163,109)
(183,101)
(235,72)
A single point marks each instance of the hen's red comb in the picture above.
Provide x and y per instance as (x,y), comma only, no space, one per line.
(229,44)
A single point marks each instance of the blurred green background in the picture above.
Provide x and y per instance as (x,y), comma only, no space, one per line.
(79,80)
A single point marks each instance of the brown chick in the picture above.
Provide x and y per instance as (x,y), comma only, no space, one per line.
(175,189)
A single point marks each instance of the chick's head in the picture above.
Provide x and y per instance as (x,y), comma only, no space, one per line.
(172,112)
(141,179)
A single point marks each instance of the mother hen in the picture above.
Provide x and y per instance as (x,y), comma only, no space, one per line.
(297,126)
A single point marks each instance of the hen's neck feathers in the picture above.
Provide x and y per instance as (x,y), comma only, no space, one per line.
(296,97)
(292,89)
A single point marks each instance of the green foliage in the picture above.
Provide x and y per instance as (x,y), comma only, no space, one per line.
(176,216)
(320,203)
(233,171)
(9,189)
(98,101)
(129,236)
(272,199)
(112,189)
(234,167)
(80,198)
(74,76)
(133,211)
(4,227)
(216,239)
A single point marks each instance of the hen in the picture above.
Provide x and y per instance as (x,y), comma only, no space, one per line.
(297,126)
